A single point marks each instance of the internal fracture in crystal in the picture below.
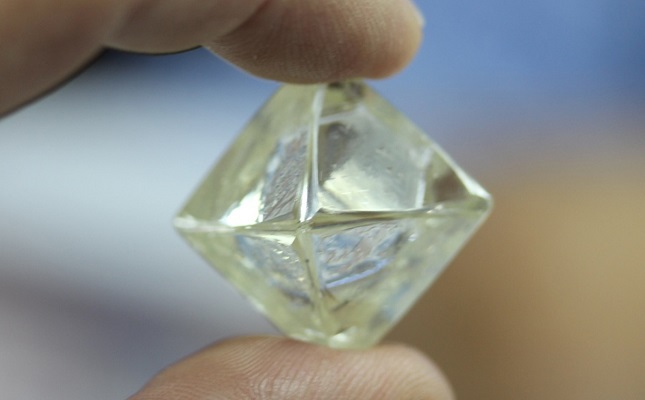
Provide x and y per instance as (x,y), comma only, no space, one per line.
(332,213)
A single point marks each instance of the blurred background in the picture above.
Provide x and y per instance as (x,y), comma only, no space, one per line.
(543,102)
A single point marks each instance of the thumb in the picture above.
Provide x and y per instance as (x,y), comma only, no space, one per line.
(282,369)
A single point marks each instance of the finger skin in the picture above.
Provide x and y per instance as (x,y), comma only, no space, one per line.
(323,40)
(42,41)
(282,369)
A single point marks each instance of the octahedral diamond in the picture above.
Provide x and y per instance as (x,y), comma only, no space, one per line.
(332,213)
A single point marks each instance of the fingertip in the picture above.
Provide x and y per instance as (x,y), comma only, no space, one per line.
(427,376)
(418,14)
(324,41)
(402,40)
(277,368)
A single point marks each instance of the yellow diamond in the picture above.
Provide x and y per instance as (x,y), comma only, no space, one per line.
(332,213)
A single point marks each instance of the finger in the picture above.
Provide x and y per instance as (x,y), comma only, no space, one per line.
(281,369)
(42,42)
(287,40)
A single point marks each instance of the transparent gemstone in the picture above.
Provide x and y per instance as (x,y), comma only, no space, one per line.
(332,213)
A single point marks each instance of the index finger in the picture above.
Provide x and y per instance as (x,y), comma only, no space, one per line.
(42,42)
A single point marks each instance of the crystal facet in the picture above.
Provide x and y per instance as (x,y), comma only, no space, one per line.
(333,213)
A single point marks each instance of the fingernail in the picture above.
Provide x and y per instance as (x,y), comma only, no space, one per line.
(418,13)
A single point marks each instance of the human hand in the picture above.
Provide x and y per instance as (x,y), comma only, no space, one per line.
(43,42)
(302,41)
(282,369)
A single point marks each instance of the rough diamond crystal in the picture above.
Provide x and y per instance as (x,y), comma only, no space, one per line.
(333,213)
